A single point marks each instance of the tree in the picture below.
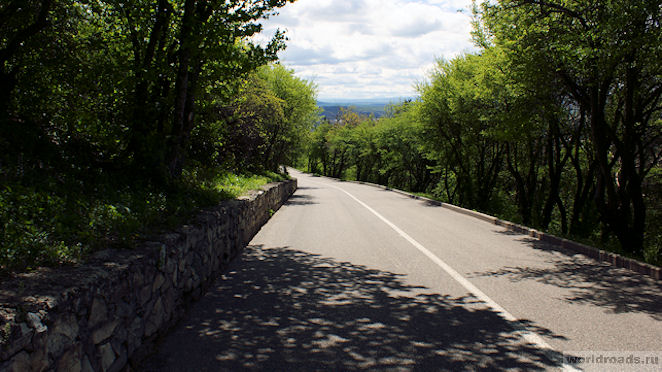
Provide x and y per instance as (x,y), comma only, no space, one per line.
(300,111)
(605,53)
(120,81)
(402,156)
(268,121)
(258,128)
(457,116)
(206,42)
(20,22)
(318,149)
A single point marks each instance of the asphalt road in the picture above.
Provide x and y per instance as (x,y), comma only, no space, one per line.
(348,276)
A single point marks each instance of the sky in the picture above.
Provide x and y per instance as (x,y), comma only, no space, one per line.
(365,49)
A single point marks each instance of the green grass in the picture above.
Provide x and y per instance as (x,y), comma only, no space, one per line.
(235,185)
(61,219)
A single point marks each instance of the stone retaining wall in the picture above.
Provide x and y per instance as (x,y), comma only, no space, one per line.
(96,316)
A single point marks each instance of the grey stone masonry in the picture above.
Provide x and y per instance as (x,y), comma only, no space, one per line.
(96,316)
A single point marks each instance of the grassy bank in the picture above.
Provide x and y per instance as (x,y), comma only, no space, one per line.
(60,219)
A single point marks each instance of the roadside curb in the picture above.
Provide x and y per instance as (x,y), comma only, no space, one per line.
(600,255)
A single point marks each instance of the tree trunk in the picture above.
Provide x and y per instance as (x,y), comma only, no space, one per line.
(183,110)
(619,196)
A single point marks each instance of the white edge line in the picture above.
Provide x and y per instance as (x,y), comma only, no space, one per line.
(526,334)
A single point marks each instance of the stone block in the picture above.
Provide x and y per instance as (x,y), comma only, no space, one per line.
(121,356)
(66,325)
(162,256)
(20,338)
(38,360)
(135,333)
(121,333)
(57,343)
(71,360)
(155,319)
(175,276)
(104,332)
(119,363)
(137,278)
(125,309)
(107,356)
(86,366)
(171,266)
(169,301)
(39,344)
(34,321)
(98,312)
(158,282)
(145,294)
(19,363)
(188,284)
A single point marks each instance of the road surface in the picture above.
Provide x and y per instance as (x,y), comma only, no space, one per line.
(348,276)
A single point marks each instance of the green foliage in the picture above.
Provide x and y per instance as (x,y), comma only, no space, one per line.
(601,58)
(117,117)
(459,109)
(386,151)
(62,223)
(554,124)
(27,231)
(266,124)
(300,111)
(121,82)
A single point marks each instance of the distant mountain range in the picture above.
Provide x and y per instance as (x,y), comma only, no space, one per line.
(375,106)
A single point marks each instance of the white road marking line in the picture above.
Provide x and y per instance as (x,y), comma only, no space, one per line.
(526,334)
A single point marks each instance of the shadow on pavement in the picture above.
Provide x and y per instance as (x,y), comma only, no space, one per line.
(283,309)
(300,199)
(589,281)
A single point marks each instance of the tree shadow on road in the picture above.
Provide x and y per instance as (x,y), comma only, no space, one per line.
(284,309)
(300,199)
(589,281)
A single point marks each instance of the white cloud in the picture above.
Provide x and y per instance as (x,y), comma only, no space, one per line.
(370,48)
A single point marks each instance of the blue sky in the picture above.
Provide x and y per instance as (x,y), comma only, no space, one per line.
(371,48)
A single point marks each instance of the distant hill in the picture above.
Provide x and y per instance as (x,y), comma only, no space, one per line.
(331,111)
(376,107)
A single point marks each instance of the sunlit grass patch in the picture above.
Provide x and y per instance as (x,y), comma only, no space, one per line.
(238,184)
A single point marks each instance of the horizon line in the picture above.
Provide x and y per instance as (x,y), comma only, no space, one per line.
(347,99)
